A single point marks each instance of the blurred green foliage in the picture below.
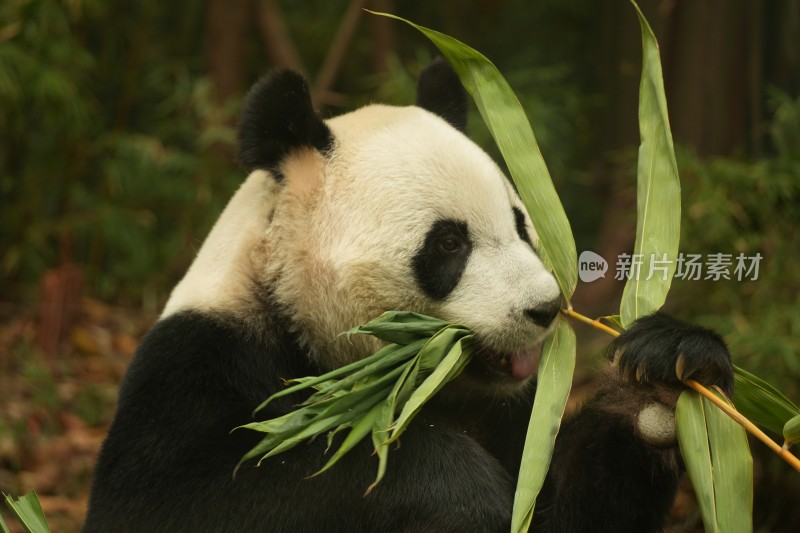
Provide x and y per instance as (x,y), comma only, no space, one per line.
(110,153)
(115,155)
(736,205)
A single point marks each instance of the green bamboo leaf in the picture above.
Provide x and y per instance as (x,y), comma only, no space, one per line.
(380,436)
(719,463)
(450,366)
(690,424)
(383,357)
(552,390)
(791,431)
(506,120)
(399,355)
(658,194)
(346,410)
(401,327)
(762,403)
(359,430)
(313,429)
(733,470)
(28,511)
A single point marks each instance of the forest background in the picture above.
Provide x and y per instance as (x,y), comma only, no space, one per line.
(117,143)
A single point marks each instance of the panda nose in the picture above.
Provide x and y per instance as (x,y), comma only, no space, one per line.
(544,314)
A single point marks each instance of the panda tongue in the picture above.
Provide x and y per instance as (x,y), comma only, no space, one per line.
(521,365)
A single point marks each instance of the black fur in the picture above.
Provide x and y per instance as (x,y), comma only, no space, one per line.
(519,222)
(276,119)
(440,91)
(650,350)
(437,268)
(168,460)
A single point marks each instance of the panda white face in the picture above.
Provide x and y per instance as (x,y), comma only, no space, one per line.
(401,211)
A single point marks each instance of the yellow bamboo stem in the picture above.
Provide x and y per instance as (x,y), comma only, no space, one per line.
(594,323)
(729,410)
(745,423)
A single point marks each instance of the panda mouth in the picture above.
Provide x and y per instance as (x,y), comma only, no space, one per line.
(517,366)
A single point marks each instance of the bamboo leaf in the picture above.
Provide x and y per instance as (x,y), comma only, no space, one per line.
(450,366)
(400,327)
(28,511)
(733,470)
(719,463)
(690,423)
(506,120)
(761,402)
(658,195)
(791,431)
(552,390)
(360,430)
(306,382)
(365,397)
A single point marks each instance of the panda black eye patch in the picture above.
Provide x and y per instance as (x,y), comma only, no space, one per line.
(519,221)
(439,263)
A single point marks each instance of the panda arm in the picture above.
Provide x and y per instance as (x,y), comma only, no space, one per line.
(168,461)
(616,465)
(603,475)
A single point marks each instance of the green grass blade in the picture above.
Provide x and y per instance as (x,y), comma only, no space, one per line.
(658,195)
(762,403)
(28,511)
(690,423)
(552,390)
(506,120)
(4,526)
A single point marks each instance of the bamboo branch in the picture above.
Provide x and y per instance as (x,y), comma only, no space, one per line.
(745,423)
(594,323)
(729,410)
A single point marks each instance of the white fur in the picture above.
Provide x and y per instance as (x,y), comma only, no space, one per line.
(220,276)
(337,248)
(656,423)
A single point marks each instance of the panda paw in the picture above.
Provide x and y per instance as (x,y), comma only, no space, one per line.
(659,349)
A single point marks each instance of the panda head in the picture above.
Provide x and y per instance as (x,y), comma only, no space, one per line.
(378,209)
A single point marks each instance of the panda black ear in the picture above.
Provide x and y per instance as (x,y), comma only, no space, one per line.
(277,118)
(440,91)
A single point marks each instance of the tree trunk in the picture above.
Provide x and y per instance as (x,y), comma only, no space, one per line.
(227,22)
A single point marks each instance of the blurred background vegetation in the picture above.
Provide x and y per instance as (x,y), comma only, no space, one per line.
(117,126)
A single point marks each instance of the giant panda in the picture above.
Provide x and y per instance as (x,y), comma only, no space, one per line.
(339,220)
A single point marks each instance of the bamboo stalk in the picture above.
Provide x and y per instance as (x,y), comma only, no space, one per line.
(729,410)
(594,323)
(745,423)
